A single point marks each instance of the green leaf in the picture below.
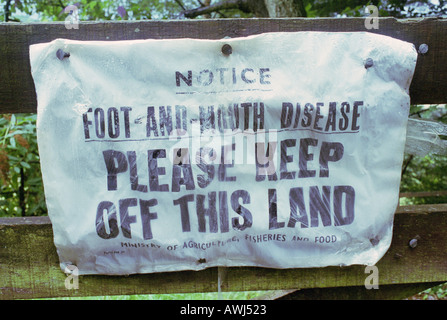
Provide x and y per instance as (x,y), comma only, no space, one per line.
(12,142)
(25,165)
(13,120)
(13,158)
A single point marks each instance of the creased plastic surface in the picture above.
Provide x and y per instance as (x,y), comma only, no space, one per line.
(164,155)
(424,137)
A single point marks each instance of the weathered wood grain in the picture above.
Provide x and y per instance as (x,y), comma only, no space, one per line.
(17,93)
(29,265)
(384,292)
(423,194)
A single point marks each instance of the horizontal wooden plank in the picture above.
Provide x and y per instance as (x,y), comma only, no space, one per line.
(17,93)
(423,194)
(423,208)
(384,292)
(29,264)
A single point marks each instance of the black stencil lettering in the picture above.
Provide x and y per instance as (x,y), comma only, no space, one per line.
(263,75)
(273,211)
(100,124)
(101,230)
(147,216)
(296,199)
(297,115)
(114,122)
(246,106)
(307,115)
(132,158)
(330,151)
(331,123)
(223,212)
(341,219)
(207,118)
(203,180)
(343,123)
(205,77)
(222,169)
(151,124)
(222,74)
(155,170)
(182,175)
(244,75)
(125,218)
(318,116)
(284,174)
(179,76)
(356,115)
(115,163)
(87,123)
(222,124)
(286,114)
(258,116)
(210,212)
(319,205)
(180,118)
(165,120)
(305,156)
(234,116)
(265,164)
(233,72)
(184,211)
(126,111)
(240,210)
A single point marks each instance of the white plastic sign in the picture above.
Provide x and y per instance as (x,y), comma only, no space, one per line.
(280,150)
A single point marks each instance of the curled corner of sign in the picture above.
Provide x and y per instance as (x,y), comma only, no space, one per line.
(425,137)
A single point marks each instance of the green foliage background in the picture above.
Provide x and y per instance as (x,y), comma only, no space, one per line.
(427,173)
(21,190)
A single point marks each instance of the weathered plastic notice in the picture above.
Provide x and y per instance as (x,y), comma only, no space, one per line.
(282,151)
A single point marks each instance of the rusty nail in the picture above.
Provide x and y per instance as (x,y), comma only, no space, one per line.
(61,54)
(423,48)
(227,49)
(369,63)
(397,256)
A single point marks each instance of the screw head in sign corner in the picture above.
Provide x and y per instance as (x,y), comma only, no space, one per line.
(414,242)
(369,63)
(423,48)
(227,49)
(61,54)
